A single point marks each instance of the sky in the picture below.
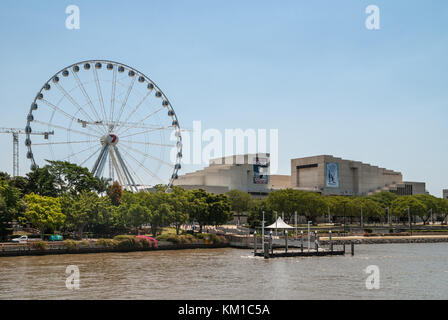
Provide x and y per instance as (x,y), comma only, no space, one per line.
(310,69)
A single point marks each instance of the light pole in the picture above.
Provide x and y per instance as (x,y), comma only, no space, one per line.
(345,206)
(295,222)
(432,220)
(388,215)
(409,218)
(309,236)
(362,222)
(262,231)
(276,217)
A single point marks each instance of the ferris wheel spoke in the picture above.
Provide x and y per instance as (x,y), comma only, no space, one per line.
(148,156)
(149,143)
(136,107)
(147,131)
(141,165)
(64,128)
(78,152)
(141,121)
(60,142)
(112,97)
(90,157)
(100,94)
(125,101)
(87,97)
(73,101)
(56,108)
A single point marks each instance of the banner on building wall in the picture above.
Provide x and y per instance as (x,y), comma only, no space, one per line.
(332,175)
(261,171)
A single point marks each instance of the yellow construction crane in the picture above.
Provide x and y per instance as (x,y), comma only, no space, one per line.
(15,144)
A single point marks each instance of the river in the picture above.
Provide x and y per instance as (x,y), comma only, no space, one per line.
(406,271)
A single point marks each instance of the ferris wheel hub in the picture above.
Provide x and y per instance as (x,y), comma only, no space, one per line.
(110,139)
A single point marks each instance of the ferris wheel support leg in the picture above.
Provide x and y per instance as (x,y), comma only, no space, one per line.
(100,162)
(126,172)
(120,177)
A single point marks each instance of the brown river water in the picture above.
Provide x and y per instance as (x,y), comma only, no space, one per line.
(407,271)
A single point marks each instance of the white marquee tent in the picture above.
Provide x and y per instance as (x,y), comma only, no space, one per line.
(279,224)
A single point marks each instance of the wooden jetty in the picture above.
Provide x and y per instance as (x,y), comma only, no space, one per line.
(295,249)
(299,253)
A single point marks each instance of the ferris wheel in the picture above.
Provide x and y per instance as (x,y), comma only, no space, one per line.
(110,118)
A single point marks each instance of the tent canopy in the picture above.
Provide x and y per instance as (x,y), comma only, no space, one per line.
(279,224)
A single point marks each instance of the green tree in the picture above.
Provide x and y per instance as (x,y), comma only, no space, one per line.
(255,214)
(178,199)
(11,207)
(384,198)
(198,208)
(284,201)
(41,182)
(218,209)
(371,210)
(401,204)
(239,202)
(442,208)
(115,193)
(43,212)
(431,204)
(310,204)
(80,210)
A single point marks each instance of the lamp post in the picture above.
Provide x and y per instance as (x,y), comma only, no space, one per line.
(276,222)
(262,231)
(309,236)
(362,222)
(388,215)
(295,222)
(345,207)
(409,218)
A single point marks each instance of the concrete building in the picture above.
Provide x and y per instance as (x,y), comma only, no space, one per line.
(445,194)
(335,176)
(324,174)
(249,173)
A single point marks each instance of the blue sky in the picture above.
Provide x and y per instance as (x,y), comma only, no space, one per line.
(309,68)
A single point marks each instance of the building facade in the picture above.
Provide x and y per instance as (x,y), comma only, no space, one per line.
(249,173)
(325,174)
(335,176)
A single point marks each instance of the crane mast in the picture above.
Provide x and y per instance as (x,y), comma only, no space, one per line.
(15,144)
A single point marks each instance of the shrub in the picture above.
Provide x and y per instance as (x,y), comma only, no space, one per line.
(85,243)
(126,242)
(368,230)
(39,245)
(178,239)
(69,244)
(106,243)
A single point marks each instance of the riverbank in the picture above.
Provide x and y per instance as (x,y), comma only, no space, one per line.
(386,239)
(55,248)
(239,242)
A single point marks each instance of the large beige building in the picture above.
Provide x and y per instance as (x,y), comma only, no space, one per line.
(335,176)
(324,174)
(249,173)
